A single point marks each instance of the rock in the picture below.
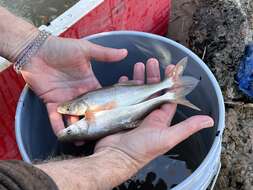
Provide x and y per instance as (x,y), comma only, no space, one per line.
(237,151)
(181,20)
(38,12)
(219,33)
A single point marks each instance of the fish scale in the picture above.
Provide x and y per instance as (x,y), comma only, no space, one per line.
(122,94)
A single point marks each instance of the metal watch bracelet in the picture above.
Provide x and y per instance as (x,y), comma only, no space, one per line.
(31,50)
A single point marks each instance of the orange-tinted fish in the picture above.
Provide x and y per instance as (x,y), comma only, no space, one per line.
(121,94)
(102,123)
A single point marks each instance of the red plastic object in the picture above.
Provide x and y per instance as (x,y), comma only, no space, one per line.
(10,88)
(149,16)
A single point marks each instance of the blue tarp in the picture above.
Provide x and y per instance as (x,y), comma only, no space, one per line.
(245,73)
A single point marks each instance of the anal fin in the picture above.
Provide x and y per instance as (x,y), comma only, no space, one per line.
(186,103)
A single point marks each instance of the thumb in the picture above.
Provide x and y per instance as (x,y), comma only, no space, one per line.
(101,53)
(175,134)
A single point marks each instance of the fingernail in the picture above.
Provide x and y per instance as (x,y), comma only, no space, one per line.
(207,123)
(154,61)
(124,51)
(154,66)
(139,64)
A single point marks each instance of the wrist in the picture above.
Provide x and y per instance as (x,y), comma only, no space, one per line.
(111,168)
(22,41)
(15,36)
(103,170)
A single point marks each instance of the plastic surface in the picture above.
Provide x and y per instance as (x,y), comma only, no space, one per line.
(11,86)
(37,141)
(151,16)
(245,72)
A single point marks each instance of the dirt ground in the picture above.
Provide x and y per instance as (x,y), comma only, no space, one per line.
(218,30)
(38,12)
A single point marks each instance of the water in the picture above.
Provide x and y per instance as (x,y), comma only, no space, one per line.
(38,12)
(162,173)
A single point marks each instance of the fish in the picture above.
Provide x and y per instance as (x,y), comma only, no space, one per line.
(100,124)
(121,94)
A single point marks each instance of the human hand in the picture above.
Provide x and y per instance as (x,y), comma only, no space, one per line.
(154,136)
(61,71)
(117,157)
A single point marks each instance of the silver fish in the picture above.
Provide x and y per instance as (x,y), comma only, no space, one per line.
(100,124)
(120,94)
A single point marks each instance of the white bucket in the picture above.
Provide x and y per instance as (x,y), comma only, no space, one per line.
(37,141)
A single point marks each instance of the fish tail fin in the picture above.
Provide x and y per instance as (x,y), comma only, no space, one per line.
(175,73)
(182,87)
(179,69)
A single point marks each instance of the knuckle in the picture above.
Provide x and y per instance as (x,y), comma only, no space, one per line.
(193,125)
(193,128)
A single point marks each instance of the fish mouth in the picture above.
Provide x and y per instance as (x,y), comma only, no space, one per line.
(62,135)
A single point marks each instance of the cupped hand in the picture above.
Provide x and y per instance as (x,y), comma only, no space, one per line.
(62,70)
(155,136)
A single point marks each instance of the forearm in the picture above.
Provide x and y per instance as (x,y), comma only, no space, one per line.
(15,34)
(101,171)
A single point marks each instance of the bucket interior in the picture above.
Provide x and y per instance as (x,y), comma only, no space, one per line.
(164,172)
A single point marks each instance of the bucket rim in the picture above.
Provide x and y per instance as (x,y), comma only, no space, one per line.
(221,121)
(18,132)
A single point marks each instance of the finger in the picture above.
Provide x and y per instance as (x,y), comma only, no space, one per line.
(139,73)
(101,53)
(157,118)
(123,79)
(55,118)
(153,71)
(169,110)
(181,131)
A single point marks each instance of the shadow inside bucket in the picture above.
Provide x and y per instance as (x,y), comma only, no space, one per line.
(164,172)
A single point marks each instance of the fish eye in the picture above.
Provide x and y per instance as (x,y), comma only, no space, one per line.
(68,131)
